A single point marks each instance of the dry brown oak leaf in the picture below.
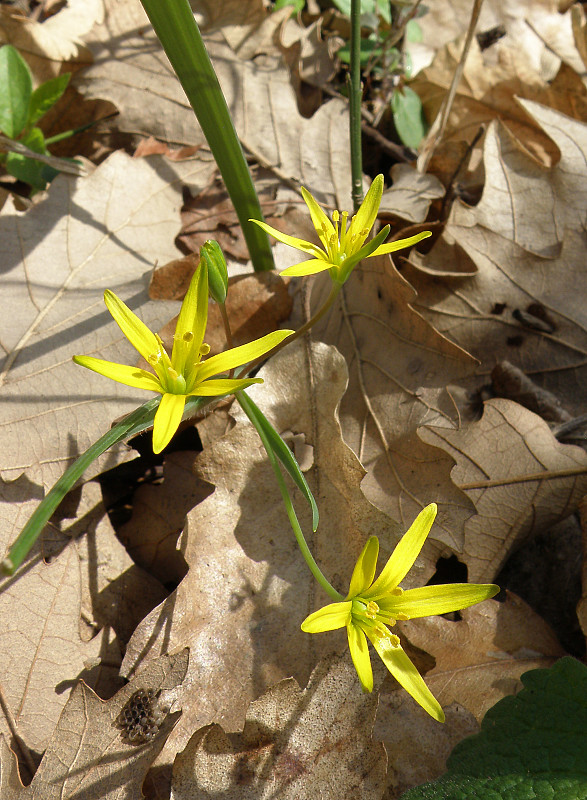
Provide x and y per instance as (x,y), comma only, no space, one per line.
(519,254)
(261,101)
(399,366)
(520,478)
(47,46)
(240,606)
(541,33)
(89,234)
(89,756)
(479,660)
(295,745)
(57,619)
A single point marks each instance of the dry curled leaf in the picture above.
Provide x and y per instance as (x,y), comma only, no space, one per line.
(311,151)
(88,756)
(240,606)
(105,231)
(479,660)
(295,744)
(519,477)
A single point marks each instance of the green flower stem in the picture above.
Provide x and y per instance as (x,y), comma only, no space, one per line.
(176,28)
(134,423)
(336,287)
(355,100)
(300,538)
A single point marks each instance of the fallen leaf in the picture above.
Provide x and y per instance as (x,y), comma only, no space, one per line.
(240,606)
(158,517)
(295,744)
(310,151)
(411,195)
(519,249)
(42,654)
(399,366)
(479,660)
(47,46)
(541,33)
(582,605)
(105,231)
(519,477)
(88,755)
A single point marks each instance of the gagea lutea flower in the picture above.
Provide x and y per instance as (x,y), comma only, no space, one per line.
(185,374)
(343,244)
(372,607)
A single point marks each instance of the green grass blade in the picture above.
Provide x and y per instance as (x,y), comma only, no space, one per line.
(272,439)
(174,24)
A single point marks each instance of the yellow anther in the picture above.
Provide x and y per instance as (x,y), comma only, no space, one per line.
(204,349)
(172,373)
(381,632)
(335,216)
(364,232)
(153,359)
(403,617)
(394,640)
(398,591)
(188,336)
(333,240)
(372,609)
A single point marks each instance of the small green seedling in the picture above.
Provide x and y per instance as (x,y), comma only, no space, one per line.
(21,108)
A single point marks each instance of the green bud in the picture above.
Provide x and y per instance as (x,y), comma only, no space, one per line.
(212,256)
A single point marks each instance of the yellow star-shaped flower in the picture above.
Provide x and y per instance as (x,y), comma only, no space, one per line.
(184,374)
(372,606)
(342,248)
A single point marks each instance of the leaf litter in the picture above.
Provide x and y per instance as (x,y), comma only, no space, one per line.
(392,419)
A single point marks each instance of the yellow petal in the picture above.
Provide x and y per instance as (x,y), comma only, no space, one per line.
(360,655)
(167,419)
(364,570)
(299,244)
(400,244)
(130,376)
(309,267)
(240,355)
(133,328)
(430,600)
(324,227)
(406,674)
(367,213)
(407,550)
(193,317)
(217,388)
(328,618)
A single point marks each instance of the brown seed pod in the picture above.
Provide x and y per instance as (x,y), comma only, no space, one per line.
(141,717)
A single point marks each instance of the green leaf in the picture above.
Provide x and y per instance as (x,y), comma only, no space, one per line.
(298,5)
(271,439)
(35,173)
(370,49)
(16,86)
(46,95)
(531,745)
(408,117)
(414,31)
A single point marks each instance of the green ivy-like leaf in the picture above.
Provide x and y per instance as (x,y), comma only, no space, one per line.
(532,745)
(46,95)
(408,117)
(16,87)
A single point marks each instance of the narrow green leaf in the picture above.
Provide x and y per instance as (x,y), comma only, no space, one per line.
(408,116)
(272,439)
(176,28)
(136,422)
(46,95)
(16,86)
(35,173)
(298,5)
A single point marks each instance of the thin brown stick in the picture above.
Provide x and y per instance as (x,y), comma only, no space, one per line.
(439,126)
(536,476)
